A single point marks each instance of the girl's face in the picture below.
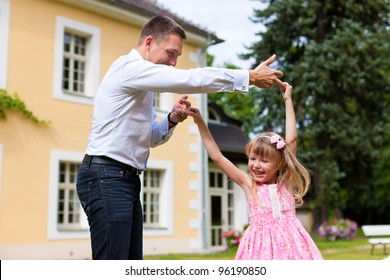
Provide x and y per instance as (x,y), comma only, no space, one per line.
(262,169)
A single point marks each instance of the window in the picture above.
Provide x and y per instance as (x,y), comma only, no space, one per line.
(151,197)
(67,219)
(216,180)
(4,29)
(163,103)
(69,208)
(213,115)
(73,77)
(77,61)
(157,198)
(230,204)
(221,190)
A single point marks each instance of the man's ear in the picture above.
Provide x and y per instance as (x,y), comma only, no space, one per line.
(148,41)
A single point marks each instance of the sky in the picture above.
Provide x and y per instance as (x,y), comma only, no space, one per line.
(228,19)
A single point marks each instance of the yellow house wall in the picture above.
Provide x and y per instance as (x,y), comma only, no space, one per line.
(26,146)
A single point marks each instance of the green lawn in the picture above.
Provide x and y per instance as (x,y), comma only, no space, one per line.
(356,249)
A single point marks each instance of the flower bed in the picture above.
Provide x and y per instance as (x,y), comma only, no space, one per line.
(336,229)
(232,237)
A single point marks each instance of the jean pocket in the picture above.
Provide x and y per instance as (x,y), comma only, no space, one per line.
(113,173)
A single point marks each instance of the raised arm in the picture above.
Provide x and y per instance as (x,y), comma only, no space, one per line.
(291,126)
(215,154)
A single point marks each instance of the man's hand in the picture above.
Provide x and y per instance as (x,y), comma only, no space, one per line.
(180,110)
(265,77)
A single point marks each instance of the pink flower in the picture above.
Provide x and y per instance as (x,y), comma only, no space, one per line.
(232,237)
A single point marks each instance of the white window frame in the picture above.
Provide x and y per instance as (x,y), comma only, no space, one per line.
(166,198)
(4,30)
(165,105)
(53,231)
(92,70)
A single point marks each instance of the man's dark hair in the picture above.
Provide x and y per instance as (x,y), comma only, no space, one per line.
(159,27)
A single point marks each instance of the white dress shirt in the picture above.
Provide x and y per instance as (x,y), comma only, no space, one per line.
(124,124)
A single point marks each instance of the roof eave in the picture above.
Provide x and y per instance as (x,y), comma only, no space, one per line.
(138,17)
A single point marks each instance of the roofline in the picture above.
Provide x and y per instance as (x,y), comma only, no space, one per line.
(133,16)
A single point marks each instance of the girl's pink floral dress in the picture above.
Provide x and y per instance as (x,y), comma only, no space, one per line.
(275,233)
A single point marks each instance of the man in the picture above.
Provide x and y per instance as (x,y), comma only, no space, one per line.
(124,127)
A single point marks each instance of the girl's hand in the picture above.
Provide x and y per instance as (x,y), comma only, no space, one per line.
(195,114)
(287,93)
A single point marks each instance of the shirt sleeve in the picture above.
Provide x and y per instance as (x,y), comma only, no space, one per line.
(144,75)
(160,132)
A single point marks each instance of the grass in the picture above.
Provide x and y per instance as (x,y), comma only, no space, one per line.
(355,249)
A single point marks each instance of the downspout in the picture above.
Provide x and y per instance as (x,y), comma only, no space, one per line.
(205,222)
(204,171)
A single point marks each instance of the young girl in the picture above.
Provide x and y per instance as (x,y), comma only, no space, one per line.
(276,183)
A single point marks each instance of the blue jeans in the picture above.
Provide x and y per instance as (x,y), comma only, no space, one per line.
(110,196)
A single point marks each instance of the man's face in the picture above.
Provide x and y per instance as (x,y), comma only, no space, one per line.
(166,51)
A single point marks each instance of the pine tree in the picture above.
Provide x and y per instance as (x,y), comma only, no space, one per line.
(336,54)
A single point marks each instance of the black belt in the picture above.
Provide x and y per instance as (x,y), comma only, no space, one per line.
(110,161)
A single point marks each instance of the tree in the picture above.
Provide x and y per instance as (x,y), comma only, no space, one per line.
(336,55)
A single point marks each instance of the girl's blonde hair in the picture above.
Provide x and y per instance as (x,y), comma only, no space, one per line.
(289,171)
